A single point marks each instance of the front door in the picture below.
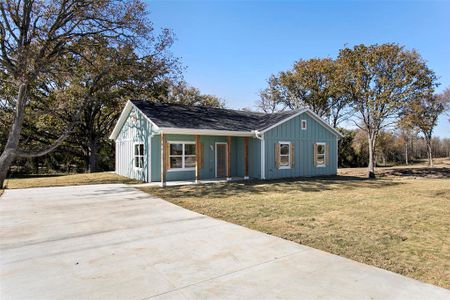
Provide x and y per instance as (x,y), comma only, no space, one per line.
(221,160)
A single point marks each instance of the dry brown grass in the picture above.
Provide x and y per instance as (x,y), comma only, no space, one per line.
(399,223)
(441,169)
(62,180)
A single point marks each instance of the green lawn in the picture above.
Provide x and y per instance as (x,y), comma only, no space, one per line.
(61,180)
(397,223)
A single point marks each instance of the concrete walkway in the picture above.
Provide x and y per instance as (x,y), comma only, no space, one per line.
(115,242)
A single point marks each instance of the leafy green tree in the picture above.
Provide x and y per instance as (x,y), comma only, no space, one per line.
(347,156)
(35,37)
(381,81)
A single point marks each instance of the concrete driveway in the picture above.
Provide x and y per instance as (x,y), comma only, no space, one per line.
(115,242)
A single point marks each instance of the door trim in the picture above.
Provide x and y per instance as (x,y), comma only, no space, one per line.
(215,157)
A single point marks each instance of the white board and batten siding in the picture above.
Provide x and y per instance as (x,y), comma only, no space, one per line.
(136,130)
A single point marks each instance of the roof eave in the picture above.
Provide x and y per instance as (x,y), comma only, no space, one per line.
(194,131)
(123,118)
(319,119)
(121,121)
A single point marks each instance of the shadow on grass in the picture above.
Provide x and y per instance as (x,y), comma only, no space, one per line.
(255,187)
(441,172)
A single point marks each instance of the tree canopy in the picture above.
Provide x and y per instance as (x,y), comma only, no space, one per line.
(369,85)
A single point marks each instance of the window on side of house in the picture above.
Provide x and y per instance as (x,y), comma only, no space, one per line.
(320,154)
(303,125)
(181,155)
(285,155)
(139,155)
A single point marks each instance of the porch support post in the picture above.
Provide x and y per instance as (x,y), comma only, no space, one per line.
(229,158)
(197,158)
(246,157)
(163,160)
(263,157)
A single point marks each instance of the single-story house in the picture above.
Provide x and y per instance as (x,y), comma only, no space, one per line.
(170,142)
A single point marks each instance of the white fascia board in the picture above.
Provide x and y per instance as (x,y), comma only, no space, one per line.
(121,121)
(169,130)
(284,120)
(325,124)
(147,118)
(123,118)
(313,114)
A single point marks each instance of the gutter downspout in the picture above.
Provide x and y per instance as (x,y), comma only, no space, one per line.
(260,136)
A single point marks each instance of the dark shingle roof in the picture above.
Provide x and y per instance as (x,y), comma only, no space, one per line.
(202,117)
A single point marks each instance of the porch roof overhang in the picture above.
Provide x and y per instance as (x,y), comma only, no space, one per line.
(193,131)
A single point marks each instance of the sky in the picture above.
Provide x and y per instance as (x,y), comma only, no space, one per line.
(230,48)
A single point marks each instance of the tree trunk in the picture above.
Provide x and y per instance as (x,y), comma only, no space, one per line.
(371,166)
(9,153)
(406,153)
(429,152)
(93,148)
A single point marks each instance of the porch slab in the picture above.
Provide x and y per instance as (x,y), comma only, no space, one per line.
(188,182)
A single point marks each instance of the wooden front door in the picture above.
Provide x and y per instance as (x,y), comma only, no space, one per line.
(221,160)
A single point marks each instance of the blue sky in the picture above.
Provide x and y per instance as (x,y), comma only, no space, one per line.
(230,48)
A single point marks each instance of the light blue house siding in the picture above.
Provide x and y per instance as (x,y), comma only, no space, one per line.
(138,129)
(208,169)
(303,141)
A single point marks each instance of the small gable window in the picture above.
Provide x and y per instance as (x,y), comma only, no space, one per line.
(303,124)
(139,156)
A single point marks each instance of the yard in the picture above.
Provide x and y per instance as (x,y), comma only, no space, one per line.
(399,222)
(64,180)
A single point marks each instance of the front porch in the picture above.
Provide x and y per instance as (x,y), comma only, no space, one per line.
(186,159)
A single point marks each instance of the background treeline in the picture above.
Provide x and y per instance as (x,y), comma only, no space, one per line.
(393,148)
(67,68)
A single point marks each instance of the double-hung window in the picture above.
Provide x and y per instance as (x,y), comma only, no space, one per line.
(320,154)
(139,155)
(285,155)
(181,155)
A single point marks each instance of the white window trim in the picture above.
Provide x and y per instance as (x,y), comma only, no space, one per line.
(183,156)
(324,155)
(138,156)
(303,122)
(288,155)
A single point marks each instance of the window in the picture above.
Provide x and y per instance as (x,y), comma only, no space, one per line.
(303,125)
(182,155)
(139,156)
(320,154)
(285,155)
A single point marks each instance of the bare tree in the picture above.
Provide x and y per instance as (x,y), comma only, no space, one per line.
(271,97)
(423,113)
(35,36)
